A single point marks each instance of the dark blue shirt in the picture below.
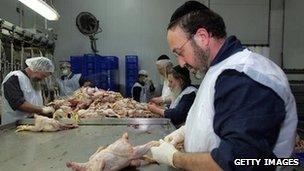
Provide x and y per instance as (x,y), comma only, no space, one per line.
(248,115)
(179,114)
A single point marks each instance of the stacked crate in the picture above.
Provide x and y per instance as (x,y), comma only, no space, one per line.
(76,64)
(131,72)
(107,70)
(101,70)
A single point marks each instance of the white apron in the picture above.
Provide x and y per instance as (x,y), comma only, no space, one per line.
(143,92)
(30,95)
(187,90)
(166,92)
(199,132)
(68,86)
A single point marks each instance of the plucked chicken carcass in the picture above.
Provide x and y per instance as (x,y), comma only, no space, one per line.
(116,156)
(98,103)
(46,124)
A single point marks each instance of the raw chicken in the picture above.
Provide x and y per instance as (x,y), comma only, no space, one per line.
(98,103)
(46,124)
(116,156)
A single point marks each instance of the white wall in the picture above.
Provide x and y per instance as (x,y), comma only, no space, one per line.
(276,31)
(129,27)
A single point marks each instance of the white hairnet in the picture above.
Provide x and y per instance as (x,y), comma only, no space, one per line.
(65,64)
(143,72)
(41,64)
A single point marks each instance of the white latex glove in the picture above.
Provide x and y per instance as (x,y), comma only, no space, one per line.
(47,110)
(164,153)
(176,136)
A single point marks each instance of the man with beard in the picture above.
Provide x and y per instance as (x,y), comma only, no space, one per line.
(164,65)
(182,93)
(22,91)
(244,108)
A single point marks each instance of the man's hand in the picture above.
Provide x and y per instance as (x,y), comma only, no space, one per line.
(48,110)
(176,137)
(164,153)
(156,109)
(157,100)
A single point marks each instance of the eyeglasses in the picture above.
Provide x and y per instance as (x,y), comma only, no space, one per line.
(180,49)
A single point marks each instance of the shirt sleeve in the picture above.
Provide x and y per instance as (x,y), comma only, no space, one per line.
(179,114)
(248,117)
(81,81)
(13,93)
(151,87)
(136,93)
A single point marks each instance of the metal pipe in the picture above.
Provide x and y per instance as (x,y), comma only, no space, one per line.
(22,55)
(12,54)
(0,52)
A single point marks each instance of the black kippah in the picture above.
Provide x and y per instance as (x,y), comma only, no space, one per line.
(161,57)
(186,8)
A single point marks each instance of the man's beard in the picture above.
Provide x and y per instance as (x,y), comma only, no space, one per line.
(201,58)
(36,84)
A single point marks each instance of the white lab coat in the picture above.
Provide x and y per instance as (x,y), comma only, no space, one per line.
(68,86)
(199,131)
(30,95)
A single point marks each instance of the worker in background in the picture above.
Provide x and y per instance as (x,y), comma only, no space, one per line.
(182,93)
(68,82)
(244,108)
(164,65)
(142,87)
(22,91)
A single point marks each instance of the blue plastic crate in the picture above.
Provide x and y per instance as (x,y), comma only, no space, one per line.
(131,73)
(107,63)
(132,66)
(76,64)
(131,58)
(113,62)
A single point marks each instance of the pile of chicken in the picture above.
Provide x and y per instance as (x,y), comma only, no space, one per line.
(97,103)
(116,156)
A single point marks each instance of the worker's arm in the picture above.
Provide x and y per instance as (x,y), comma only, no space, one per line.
(151,87)
(29,108)
(179,114)
(136,93)
(156,109)
(195,161)
(248,117)
(13,93)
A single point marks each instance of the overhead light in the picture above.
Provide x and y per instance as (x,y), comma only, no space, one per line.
(42,8)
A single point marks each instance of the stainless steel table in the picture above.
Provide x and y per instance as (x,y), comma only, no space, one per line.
(51,150)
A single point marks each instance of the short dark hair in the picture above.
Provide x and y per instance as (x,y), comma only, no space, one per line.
(161,57)
(193,15)
(182,73)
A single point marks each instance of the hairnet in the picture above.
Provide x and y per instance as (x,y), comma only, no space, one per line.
(41,64)
(143,72)
(65,64)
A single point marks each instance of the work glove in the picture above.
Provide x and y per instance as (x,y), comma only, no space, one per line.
(164,153)
(176,136)
(47,110)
